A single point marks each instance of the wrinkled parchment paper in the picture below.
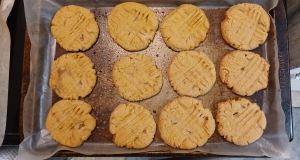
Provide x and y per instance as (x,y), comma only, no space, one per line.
(5,8)
(38,142)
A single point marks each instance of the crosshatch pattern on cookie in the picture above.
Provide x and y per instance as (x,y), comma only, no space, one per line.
(184,28)
(132,25)
(185,124)
(245,26)
(191,73)
(132,126)
(70,123)
(240,121)
(136,77)
(244,72)
(74,28)
(72,76)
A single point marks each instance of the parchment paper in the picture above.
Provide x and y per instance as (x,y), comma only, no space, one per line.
(38,142)
(5,8)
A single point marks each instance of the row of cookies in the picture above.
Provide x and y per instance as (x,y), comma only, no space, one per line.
(72,76)
(184,123)
(190,73)
(68,121)
(245,27)
(133,26)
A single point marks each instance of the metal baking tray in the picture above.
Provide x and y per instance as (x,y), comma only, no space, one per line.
(104,97)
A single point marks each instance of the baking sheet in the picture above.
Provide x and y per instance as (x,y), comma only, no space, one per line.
(5,8)
(38,142)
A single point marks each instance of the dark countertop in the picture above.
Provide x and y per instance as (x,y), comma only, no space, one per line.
(16,24)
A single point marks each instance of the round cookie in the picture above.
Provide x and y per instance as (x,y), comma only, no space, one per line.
(191,73)
(72,76)
(245,26)
(185,124)
(70,123)
(132,126)
(136,77)
(244,72)
(132,25)
(74,28)
(184,28)
(240,121)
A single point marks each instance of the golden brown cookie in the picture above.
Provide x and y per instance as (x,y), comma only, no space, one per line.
(136,77)
(70,123)
(74,28)
(132,25)
(244,72)
(240,121)
(132,126)
(245,26)
(72,76)
(184,28)
(185,124)
(191,73)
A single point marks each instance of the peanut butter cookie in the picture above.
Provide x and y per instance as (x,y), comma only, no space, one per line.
(72,76)
(132,126)
(132,25)
(184,28)
(245,26)
(185,124)
(240,121)
(136,77)
(244,72)
(70,123)
(191,73)
(74,28)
